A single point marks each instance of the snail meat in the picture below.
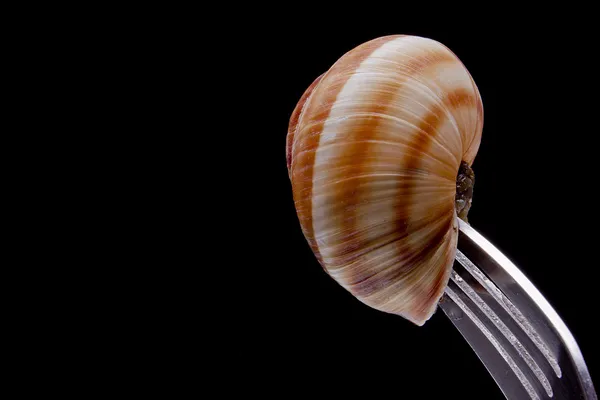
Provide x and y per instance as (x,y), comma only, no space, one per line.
(379,152)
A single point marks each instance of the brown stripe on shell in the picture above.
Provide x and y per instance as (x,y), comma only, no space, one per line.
(362,138)
(293,125)
(471,151)
(367,285)
(304,149)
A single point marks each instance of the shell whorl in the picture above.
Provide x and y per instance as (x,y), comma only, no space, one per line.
(373,150)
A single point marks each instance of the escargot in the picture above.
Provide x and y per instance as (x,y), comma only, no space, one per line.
(379,152)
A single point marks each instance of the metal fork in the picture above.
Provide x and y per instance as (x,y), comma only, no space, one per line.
(515,332)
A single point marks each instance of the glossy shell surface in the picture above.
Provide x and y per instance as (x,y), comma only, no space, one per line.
(373,150)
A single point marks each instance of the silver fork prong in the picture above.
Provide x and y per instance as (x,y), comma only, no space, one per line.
(504,330)
(494,342)
(512,328)
(510,308)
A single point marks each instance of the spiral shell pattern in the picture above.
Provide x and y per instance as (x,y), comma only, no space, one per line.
(373,150)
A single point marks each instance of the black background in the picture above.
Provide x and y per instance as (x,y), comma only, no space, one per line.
(294,329)
(239,300)
(204,277)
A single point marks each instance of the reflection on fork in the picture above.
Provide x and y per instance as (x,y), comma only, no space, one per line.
(521,340)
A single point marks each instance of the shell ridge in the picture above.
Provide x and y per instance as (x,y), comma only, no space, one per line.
(409,270)
(352,260)
(376,151)
(302,197)
(402,122)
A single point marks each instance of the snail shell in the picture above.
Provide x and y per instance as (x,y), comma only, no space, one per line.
(374,148)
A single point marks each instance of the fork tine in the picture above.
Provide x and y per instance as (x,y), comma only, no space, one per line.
(490,332)
(488,348)
(510,309)
(504,330)
(521,340)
